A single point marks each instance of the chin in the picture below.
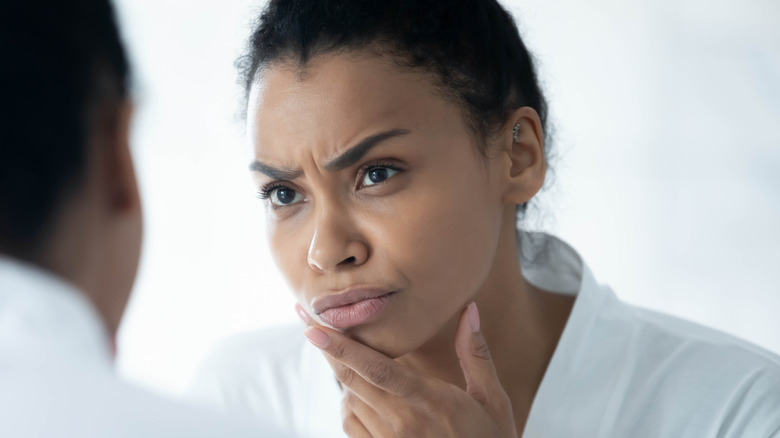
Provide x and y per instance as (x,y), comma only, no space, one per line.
(389,341)
(389,349)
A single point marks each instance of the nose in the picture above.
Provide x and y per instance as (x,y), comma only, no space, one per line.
(336,243)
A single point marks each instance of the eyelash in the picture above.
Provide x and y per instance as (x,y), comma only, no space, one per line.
(363,171)
(265,191)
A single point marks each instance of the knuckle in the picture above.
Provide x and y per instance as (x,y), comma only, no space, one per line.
(482,352)
(481,396)
(496,402)
(379,374)
(344,375)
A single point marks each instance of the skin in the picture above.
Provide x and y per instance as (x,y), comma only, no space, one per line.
(95,243)
(440,231)
(382,398)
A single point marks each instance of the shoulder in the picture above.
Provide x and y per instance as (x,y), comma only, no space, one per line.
(688,344)
(630,371)
(648,339)
(705,377)
(88,401)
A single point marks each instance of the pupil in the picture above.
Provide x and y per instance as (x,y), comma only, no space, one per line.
(285,196)
(377,175)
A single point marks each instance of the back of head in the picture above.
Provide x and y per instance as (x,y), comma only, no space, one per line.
(62,62)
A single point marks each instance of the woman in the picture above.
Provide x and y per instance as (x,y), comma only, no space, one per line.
(397,145)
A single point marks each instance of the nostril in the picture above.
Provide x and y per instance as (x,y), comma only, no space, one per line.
(348,260)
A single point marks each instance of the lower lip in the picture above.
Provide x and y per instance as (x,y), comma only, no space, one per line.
(357,313)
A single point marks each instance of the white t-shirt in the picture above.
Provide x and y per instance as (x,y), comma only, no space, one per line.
(57,377)
(618,370)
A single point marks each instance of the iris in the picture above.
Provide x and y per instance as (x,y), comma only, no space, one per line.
(285,196)
(378,175)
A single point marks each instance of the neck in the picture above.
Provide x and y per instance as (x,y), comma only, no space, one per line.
(521,323)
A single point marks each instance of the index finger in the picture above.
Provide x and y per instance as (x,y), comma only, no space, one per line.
(373,366)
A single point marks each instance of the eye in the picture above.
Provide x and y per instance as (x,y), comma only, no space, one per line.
(376,175)
(281,196)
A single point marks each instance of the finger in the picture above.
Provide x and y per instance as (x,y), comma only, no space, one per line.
(481,378)
(371,365)
(376,425)
(352,425)
(303,314)
(350,381)
(354,429)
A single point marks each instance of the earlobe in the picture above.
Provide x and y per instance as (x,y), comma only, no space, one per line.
(523,140)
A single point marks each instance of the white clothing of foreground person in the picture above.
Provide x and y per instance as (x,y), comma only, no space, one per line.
(57,376)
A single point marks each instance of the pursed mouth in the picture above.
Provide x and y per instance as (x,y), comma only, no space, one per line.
(347,298)
(355,312)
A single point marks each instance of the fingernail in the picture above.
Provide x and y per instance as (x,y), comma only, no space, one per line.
(302,313)
(473,316)
(317,337)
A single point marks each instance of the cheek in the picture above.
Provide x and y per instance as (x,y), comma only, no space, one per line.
(442,238)
(289,249)
(445,241)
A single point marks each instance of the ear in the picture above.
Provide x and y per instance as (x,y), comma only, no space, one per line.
(124,193)
(123,244)
(522,147)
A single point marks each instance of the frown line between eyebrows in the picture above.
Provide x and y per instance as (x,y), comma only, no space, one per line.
(343,161)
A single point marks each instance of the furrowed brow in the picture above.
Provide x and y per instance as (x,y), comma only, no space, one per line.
(273,172)
(355,153)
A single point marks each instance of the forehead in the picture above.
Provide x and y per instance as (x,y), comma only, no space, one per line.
(338,98)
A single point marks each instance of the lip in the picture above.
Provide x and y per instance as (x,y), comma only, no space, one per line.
(353,307)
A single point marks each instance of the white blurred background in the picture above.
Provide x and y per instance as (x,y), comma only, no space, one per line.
(667,117)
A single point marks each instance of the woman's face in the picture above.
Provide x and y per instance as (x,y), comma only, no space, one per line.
(383,216)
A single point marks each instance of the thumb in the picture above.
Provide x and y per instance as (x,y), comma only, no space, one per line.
(482,382)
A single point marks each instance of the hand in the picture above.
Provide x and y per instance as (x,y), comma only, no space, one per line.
(382,398)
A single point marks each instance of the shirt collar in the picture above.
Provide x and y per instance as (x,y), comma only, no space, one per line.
(550,263)
(41,313)
(557,267)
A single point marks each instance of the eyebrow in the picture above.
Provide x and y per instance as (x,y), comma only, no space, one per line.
(347,159)
(355,153)
(274,173)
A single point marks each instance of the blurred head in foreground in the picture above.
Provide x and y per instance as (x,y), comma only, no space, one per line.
(69,200)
